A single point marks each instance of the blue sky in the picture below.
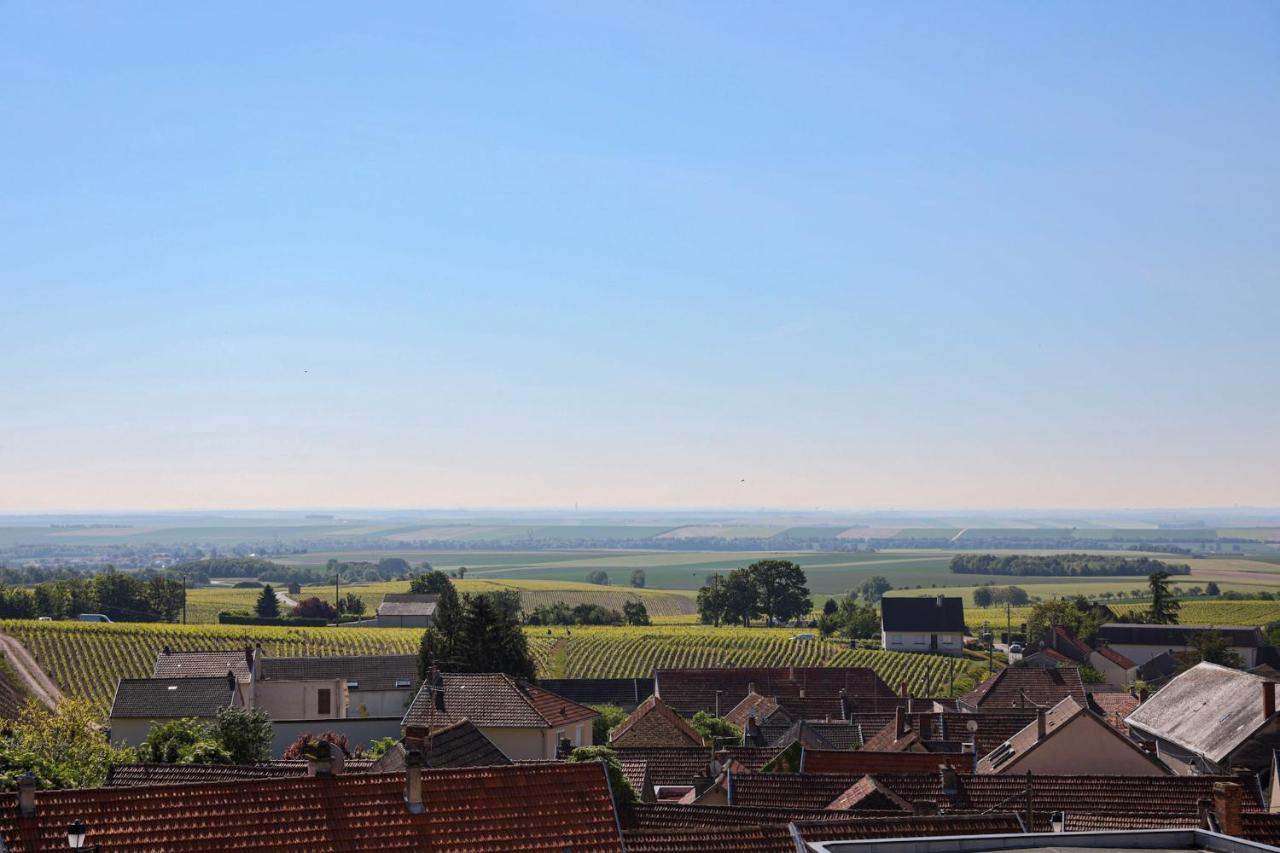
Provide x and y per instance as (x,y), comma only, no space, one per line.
(856,255)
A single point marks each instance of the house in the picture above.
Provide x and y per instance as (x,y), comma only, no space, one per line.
(1068,738)
(967,733)
(654,723)
(326,688)
(141,702)
(523,720)
(914,624)
(407,610)
(1211,719)
(1159,669)
(470,810)
(1114,667)
(1141,643)
(1026,687)
(1061,639)
(719,690)
(460,744)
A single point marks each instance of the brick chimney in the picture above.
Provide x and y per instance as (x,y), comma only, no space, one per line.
(27,795)
(1268,699)
(413,781)
(1227,800)
(1042,725)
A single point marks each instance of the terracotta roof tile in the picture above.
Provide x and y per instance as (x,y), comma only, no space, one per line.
(520,807)
(460,744)
(867,761)
(866,794)
(636,770)
(1114,708)
(725,839)
(669,815)
(909,827)
(1042,687)
(1116,658)
(681,765)
(654,723)
(693,690)
(753,704)
(124,775)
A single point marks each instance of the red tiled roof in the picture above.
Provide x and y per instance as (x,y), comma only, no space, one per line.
(1069,645)
(654,723)
(492,699)
(1116,658)
(725,839)
(670,815)
(753,704)
(867,793)
(945,732)
(1263,828)
(636,772)
(518,807)
(680,765)
(1015,686)
(867,761)
(909,827)
(1114,707)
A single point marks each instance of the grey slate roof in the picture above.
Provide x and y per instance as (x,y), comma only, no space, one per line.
(200,664)
(457,745)
(369,672)
(408,604)
(1209,710)
(601,691)
(164,698)
(1243,636)
(944,614)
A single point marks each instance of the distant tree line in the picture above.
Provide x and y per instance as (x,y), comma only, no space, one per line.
(561,613)
(123,597)
(1062,565)
(988,595)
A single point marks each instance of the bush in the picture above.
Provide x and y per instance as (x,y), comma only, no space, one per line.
(315,608)
(225,618)
(610,717)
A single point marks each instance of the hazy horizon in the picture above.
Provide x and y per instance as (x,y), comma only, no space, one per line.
(643,256)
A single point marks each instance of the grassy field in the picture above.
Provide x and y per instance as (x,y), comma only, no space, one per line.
(87,659)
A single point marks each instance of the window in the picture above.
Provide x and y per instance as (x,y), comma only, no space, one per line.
(948,640)
(577,736)
(323,705)
(403,682)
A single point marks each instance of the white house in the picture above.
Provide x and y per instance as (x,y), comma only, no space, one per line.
(913,624)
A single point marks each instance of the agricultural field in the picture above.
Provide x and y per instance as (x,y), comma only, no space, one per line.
(87,659)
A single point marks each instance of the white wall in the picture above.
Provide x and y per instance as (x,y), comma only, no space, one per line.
(378,703)
(1141,654)
(1113,672)
(299,700)
(914,641)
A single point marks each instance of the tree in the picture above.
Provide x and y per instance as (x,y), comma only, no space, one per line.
(598,577)
(185,741)
(858,621)
(491,639)
(268,605)
(448,607)
(610,717)
(982,596)
(780,585)
(741,598)
(623,793)
(1078,614)
(351,604)
(462,572)
(873,589)
(393,567)
(710,726)
(306,743)
(830,608)
(635,613)
(379,746)
(434,649)
(244,734)
(62,749)
(1164,607)
(1211,588)
(315,608)
(165,596)
(638,578)
(712,607)
(1211,647)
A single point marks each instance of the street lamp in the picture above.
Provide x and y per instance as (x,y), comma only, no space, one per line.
(76,833)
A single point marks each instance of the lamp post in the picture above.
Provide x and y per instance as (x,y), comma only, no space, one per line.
(76,833)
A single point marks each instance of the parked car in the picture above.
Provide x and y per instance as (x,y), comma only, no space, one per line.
(93,617)
(802,638)
(1015,649)
(45,619)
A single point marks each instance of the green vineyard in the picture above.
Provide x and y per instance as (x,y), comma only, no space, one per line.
(87,659)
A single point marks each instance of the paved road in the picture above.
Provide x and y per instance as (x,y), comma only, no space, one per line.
(33,677)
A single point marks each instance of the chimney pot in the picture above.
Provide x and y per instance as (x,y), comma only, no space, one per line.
(939,600)
(1227,800)
(1268,699)
(413,781)
(27,795)
(1041,724)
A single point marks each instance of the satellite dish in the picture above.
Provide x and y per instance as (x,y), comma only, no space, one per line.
(972,726)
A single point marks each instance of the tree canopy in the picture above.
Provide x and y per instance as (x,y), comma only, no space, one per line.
(773,588)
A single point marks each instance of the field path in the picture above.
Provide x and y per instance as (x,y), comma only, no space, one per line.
(33,677)
(285,600)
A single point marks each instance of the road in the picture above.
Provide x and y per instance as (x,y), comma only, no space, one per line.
(33,677)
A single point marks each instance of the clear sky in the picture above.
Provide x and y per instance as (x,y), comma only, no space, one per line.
(655,254)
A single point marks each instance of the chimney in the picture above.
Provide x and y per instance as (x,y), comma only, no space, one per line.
(751,687)
(801,692)
(950,782)
(844,704)
(718,693)
(791,672)
(902,690)
(899,722)
(939,601)
(248,658)
(413,781)
(167,651)
(437,688)
(751,734)
(1041,725)
(324,759)
(1268,699)
(1227,799)
(27,795)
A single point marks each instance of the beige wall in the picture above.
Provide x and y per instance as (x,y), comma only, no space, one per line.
(378,703)
(299,700)
(1113,672)
(1084,747)
(1142,654)
(531,743)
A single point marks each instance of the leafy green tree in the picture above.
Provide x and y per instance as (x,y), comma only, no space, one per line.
(379,747)
(186,741)
(448,607)
(1211,647)
(623,793)
(610,717)
(393,567)
(244,734)
(1211,588)
(638,578)
(492,640)
(315,608)
(62,749)
(781,587)
(712,603)
(741,598)
(268,605)
(351,604)
(635,613)
(598,577)
(982,596)
(1078,614)
(1164,607)
(858,621)
(710,726)
(165,596)
(434,649)
(874,588)
(462,572)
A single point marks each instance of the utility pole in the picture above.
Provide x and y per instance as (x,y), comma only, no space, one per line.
(184,598)
(337,577)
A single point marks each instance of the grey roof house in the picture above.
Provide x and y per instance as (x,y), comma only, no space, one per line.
(139,702)
(407,610)
(1211,719)
(1140,643)
(933,624)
